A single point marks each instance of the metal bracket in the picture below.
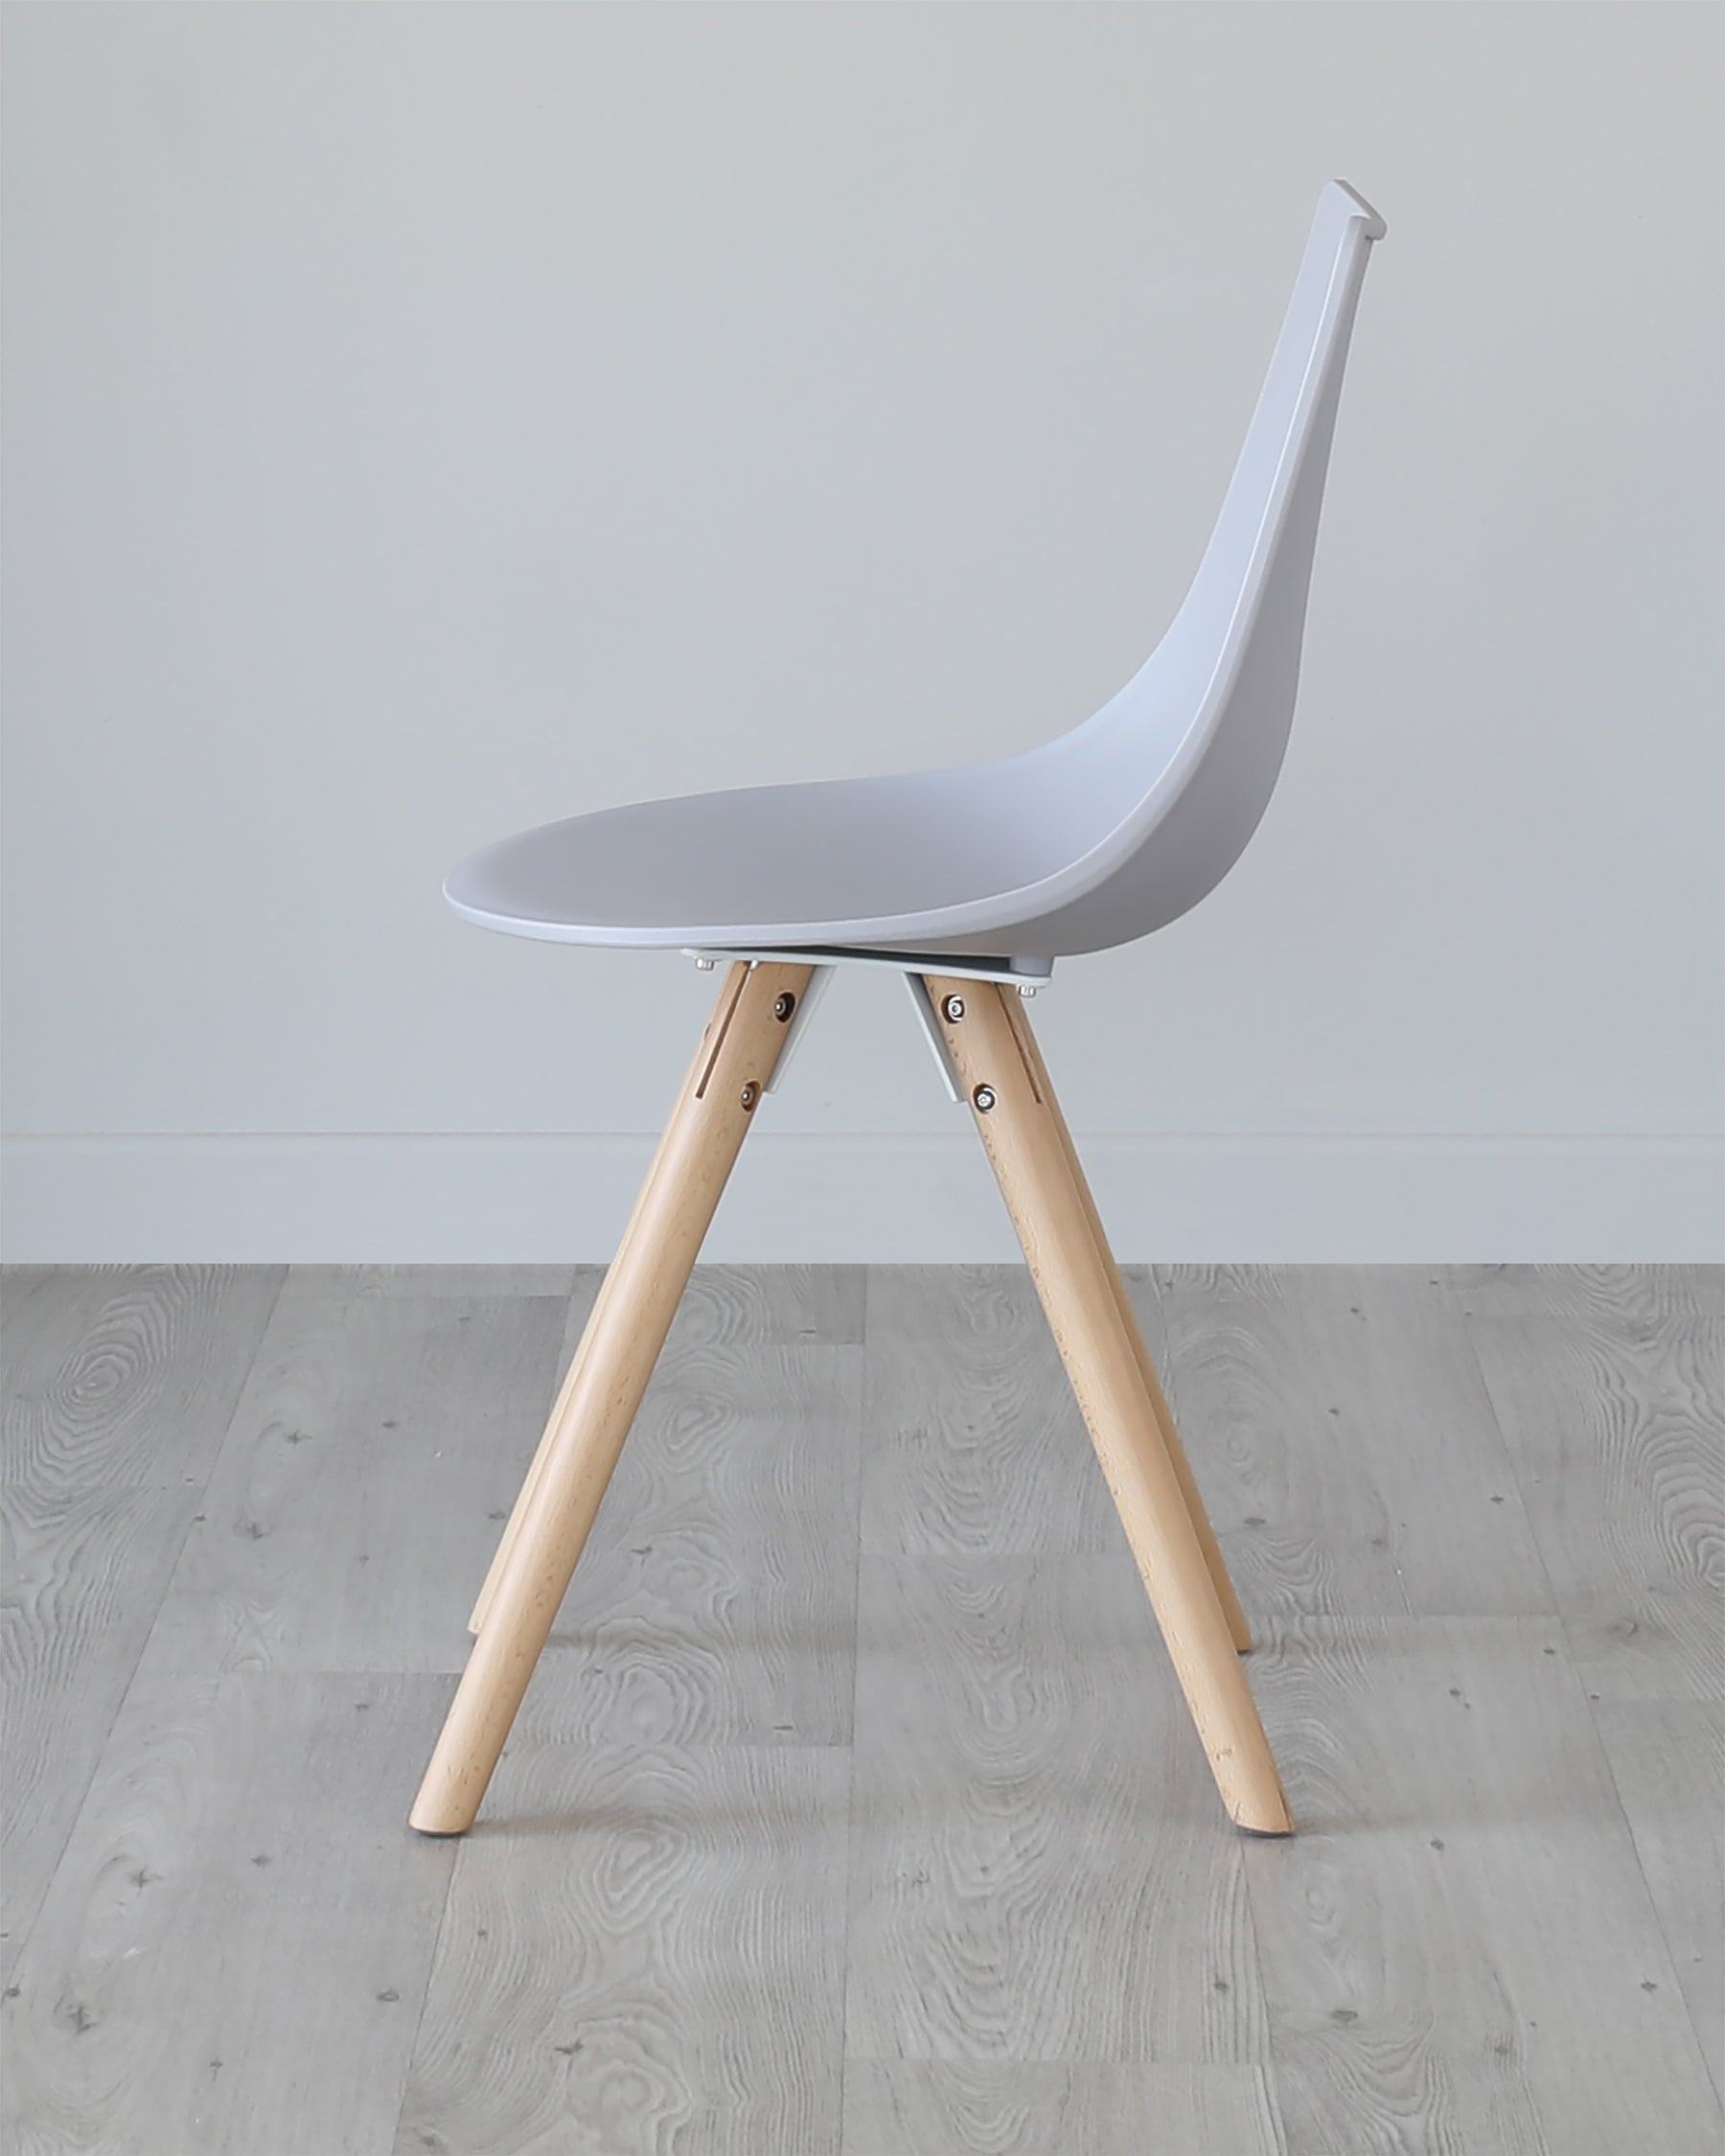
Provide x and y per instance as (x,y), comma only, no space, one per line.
(921,1004)
(1025,974)
(798,1021)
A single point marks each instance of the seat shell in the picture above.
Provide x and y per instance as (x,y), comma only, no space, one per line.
(1094,838)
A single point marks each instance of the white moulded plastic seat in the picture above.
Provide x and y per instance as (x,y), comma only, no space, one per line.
(1094,838)
(996,869)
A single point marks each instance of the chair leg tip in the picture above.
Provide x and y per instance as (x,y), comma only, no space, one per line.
(1266,1833)
(438,1822)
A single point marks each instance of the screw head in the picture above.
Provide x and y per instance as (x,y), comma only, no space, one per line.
(750,1093)
(982,1099)
(783,1006)
(953,1008)
(704,965)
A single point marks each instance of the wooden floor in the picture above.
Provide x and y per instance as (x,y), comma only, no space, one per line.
(854,1808)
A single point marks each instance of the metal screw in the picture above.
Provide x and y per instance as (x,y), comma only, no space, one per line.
(750,1093)
(783,1008)
(953,1008)
(704,965)
(982,1099)
(1026,990)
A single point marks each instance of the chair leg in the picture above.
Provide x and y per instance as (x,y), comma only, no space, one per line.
(702,1138)
(1016,1119)
(619,1269)
(1239,1630)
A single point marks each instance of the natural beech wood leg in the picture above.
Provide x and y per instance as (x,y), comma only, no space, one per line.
(1013,1108)
(565,1406)
(1239,1631)
(741,1047)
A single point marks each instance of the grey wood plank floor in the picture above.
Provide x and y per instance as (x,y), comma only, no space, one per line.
(854,1811)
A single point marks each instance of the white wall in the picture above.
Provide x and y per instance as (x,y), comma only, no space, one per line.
(425,420)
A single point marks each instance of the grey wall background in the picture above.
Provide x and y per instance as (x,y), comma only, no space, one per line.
(424,421)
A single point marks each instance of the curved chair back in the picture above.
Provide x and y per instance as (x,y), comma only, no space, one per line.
(1188,751)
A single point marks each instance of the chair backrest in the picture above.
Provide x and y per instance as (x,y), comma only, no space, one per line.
(1190,749)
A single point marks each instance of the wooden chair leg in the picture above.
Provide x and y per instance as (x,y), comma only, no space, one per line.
(564,1407)
(1238,1629)
(1018,1124)
(739,1050)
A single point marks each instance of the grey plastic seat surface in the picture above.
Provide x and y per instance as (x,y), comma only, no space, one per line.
(1091,839)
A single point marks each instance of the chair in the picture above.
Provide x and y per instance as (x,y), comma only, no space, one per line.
(970,882)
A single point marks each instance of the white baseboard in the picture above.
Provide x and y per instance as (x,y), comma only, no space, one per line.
(924,1199)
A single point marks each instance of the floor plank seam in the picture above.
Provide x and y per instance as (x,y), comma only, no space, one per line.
(419,2019)
(1465,1329)
(1590,1700)
(841,2139)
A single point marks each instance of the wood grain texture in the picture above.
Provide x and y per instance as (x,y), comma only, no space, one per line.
(975,1444)
(1039,1869)
(644,1953)
(1617,1435)
(716,1600)
(125,1377)
(355,1501)
(237,1944)
(1052,1941)
(119,1387)
(83,1578)
(1360,1440)
(1459,1952)
(782,1305)
(921,2107)
(1619,1295)
(1667,1759)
